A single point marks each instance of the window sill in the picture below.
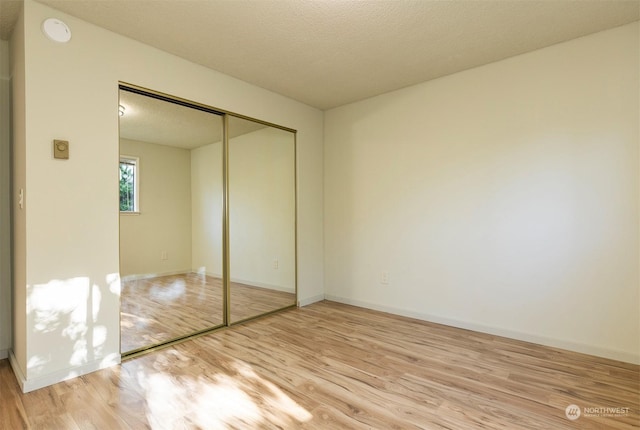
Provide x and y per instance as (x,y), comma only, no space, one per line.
(129,213)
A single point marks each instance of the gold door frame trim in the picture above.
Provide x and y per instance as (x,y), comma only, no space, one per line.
(295,220)
(196,105)
(226,269)
(226,259)
(295,213)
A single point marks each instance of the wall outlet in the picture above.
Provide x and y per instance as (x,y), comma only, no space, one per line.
(276,264)
(164,255)
(384,278)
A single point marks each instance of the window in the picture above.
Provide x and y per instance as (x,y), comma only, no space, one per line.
(129,184)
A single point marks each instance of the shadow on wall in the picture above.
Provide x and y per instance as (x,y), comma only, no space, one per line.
(67,326)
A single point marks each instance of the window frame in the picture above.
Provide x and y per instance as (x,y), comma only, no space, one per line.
(135,161)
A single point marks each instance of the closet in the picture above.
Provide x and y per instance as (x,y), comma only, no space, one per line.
(207,218)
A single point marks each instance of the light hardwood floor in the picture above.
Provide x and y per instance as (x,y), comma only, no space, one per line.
(160,309)
(332,366)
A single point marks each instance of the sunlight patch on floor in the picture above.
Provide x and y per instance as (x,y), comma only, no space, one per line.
(237,397)
(169,293)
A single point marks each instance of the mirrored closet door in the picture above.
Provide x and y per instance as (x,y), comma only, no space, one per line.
(207,219)
(262,214)
(171,174)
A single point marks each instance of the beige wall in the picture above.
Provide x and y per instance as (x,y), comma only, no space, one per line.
(502,199)
(5,200)
(261,209)
(164,222)
(70,240)
(206,200)
(19,180)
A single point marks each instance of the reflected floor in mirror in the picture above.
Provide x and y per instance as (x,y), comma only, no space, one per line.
(155,310)
(332,366)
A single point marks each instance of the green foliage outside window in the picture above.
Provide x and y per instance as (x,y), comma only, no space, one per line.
(127,186)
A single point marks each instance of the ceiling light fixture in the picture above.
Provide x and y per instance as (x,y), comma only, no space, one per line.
(56,30)
(121,110)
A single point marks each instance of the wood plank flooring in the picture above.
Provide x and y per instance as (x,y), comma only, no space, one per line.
(160,309)
(332,366)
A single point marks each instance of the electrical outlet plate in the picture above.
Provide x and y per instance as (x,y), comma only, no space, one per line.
(384,278)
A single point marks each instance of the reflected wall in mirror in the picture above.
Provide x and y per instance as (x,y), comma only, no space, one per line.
(170,220)
(262,244)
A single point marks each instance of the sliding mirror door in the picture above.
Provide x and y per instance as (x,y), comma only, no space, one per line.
(262,219)
(171,173)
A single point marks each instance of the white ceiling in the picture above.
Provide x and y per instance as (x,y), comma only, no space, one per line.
(147,119)
(9,10)
(327,53)
(151,120)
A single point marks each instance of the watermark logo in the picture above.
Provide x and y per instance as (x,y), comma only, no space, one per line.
(602,411)
(572,412)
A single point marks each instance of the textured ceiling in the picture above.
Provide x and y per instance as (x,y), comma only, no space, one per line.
(331,52)
(151,120)
(9,10)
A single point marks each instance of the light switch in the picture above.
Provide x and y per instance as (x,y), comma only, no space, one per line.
(61,149)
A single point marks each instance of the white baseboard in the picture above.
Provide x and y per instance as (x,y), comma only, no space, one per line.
(138,277)
(527,337)
(257,284)
(310,300)
(264,285)
(59,376)
(16,370)
(250,283)
(4,353)
(213,275)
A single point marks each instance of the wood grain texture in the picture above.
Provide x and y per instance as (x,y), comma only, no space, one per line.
(156,310)
(332,366)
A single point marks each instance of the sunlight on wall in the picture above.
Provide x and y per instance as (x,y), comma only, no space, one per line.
(62,315)
(113,280)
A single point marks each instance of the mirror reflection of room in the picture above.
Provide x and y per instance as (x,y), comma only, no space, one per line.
(261,218)
(170,220)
